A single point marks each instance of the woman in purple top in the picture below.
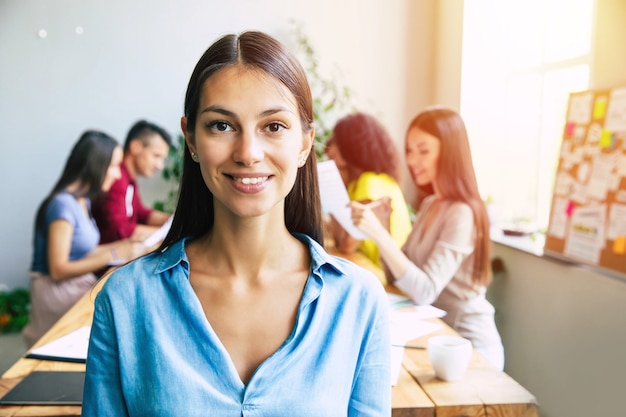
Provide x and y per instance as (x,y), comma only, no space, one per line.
(66,250)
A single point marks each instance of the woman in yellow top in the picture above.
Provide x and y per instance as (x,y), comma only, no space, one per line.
(369,163)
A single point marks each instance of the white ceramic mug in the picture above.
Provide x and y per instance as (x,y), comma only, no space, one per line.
(450,356)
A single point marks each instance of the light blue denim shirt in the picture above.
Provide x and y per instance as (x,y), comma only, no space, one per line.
(152,351)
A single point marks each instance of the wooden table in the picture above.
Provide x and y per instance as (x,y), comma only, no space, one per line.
(483,392)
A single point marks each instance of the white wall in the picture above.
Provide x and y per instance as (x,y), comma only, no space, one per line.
(133,61)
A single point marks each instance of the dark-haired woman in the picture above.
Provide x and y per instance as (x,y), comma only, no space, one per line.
(66,251)
(446,258)
(241,311)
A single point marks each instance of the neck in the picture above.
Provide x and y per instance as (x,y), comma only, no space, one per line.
(353,174)
(247,247)
(130,167)
(76,189)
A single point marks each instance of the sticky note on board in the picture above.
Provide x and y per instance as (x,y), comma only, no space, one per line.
(619,245)
(599,108)
(570,127)
(606,139)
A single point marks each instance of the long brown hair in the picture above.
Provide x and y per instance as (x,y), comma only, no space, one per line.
(194,213)
(456,179)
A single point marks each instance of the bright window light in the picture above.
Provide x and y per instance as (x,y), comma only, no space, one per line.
(520,62)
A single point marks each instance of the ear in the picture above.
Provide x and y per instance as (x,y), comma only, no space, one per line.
(308,139)
(135,146)
(188,136)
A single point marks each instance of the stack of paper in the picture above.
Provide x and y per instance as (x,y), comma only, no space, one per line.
(69,348)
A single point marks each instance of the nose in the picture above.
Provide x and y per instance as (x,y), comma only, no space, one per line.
(249,149)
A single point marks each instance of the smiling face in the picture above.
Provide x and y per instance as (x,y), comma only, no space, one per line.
(249,139)
(422,156)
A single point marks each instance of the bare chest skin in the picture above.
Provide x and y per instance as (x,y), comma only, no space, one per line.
(251,317)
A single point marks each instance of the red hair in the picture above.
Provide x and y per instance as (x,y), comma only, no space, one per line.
(366,146)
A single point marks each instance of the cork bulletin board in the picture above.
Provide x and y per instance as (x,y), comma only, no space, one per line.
(588,213)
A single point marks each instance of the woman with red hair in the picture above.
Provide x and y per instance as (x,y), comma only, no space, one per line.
(369,163)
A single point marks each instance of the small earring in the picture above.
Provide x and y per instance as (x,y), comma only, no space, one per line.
(194,156)
(302,161)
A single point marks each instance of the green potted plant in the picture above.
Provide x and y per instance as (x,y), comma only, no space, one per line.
(14,308)
(171,174)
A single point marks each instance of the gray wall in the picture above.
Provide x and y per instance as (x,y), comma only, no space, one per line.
(564,333)
(563,326)
(133,61)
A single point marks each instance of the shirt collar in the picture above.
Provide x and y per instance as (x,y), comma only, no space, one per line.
(320,259)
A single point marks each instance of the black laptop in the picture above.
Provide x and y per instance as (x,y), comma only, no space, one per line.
(47,388)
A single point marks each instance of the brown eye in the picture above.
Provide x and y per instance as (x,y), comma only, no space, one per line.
(275,127)
(220,126)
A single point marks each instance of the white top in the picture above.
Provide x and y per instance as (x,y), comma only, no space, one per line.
(441,272)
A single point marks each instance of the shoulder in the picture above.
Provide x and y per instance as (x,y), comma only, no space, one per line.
(460,210)
(371,185)
(355,289)
(133,278)
(120,185)
(342,278)
(62,199)
(455,215)
(62,205)
(350,271)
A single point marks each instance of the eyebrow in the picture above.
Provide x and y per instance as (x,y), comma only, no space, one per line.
(217,109)
(224,112)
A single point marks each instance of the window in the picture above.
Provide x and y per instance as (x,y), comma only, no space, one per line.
(520,62)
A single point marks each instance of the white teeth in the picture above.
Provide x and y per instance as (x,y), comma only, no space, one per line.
(251,180)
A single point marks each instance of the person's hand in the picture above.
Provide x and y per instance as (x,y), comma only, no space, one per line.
(365,219)
(128,249)
(142,231)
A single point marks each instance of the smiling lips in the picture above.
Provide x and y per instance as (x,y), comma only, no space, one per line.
(249,184)
(253,181)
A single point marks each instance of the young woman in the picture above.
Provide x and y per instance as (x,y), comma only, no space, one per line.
(241,310)
(369,163)
(446,258)
(66,251)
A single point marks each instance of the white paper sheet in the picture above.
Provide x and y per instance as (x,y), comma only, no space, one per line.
(580,108)
(586,236)
(403,304)
(160,234)
(72,347)
(616,113)
(405,327)
(335,197)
